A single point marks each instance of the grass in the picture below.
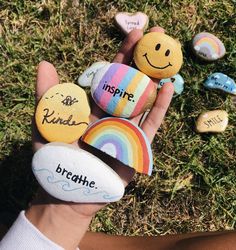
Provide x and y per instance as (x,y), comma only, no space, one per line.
(193,187)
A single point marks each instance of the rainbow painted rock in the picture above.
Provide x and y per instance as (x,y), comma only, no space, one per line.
(72,174)
(62,113)
(208,47)
(122,140)
(158,55)
(123,91)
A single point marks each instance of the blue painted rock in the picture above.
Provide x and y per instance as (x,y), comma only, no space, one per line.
(128,21)
(71,174)
(222,82)
(122,140)
(208,47)
(178,82)
(122,91)
(212,121)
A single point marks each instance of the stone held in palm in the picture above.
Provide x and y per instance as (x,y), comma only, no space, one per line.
(212,121)
(70,174)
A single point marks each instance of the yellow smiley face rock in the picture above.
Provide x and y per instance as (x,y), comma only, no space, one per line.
(158,55)
(62,114)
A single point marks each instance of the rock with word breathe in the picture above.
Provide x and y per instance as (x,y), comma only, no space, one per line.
(208,47)
(122,140)
(62,113)
(222,82)
(127,21)
(212,121)
(158,55)
(122,91)
(178,82)
(71,174)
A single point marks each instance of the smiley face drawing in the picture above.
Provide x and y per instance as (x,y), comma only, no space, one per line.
(158,55)
(62,114)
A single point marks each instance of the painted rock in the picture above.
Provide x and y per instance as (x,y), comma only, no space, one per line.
(122,91)
(222,82)
(178,82)
(122,140)
(208,47)
(158,55)
(63,113)
(85,79)
(72,174)
(128,21)
(212,121)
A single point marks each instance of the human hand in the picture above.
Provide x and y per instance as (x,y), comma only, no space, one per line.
(76,217)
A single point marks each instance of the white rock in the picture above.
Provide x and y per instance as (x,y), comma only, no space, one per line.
(72,174)
(85,79)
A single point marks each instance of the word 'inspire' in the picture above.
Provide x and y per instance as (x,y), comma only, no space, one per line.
(116,91)
(80,179)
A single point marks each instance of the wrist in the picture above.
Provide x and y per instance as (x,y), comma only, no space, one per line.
(59,223)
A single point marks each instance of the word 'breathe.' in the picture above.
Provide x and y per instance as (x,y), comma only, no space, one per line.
(213,121)
(118,92)
(80,179)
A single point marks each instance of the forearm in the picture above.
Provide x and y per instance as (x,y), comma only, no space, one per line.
(59,223)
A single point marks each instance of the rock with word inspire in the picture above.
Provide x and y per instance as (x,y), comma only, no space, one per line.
(62,113)
(222,82)
(177,81)
(158,55)
(130,21)
(87,76)
(71,174)
(122,91)
(122,140)
(212,121)
(208,47)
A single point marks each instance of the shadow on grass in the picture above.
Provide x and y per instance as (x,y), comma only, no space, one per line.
(17,183)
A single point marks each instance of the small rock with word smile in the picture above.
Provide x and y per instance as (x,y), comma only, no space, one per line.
(212,121)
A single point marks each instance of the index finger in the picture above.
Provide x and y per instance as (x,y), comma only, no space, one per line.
(125,53)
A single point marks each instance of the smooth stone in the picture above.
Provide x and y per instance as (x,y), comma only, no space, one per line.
(71,174)
(212,121)
(177,81)
(62,113)
(123,140)
(208,47)
(222,82)
(123,91)
(129,21)
(86,78)
(158,55)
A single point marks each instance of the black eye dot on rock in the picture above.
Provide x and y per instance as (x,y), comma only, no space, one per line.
(167,52)
(158,46)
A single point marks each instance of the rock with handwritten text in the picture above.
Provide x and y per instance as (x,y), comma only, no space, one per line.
(222,82)
(71,174)
(123,91)
(212,121)
(129,21)
(158,55)
(87,76)
(208,47)
(62,113)
(122,140)
(177,81)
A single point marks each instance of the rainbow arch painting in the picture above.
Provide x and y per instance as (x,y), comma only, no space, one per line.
(122,140)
